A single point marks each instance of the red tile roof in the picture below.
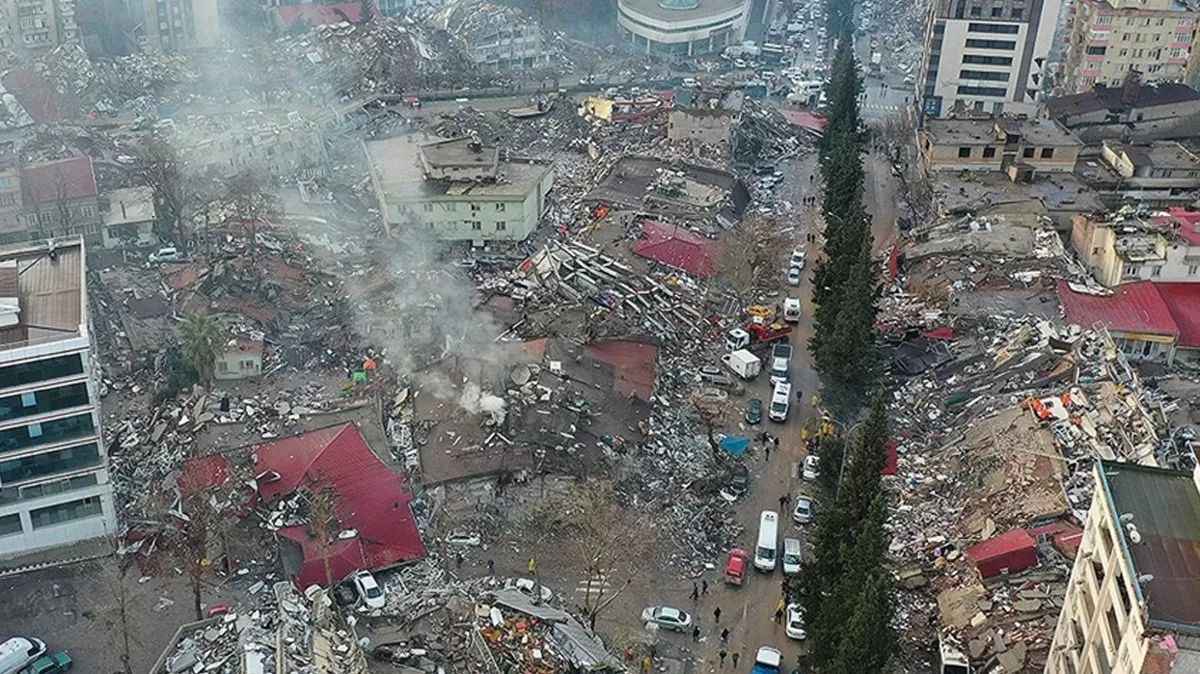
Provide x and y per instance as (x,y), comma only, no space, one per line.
(1013,550)
(1133,307)
(806,120)
(71,178)
(676,247)
(320,15)
(1189,223)
(1183,301)
(370,498)
(634,366)
(36,95)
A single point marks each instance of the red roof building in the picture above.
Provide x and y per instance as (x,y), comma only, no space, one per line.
(1188,222)
(52,181)
(38,96)
(1013,551)
(1134,308)
(318,15)
(634,366)
(370,499)
(677,247)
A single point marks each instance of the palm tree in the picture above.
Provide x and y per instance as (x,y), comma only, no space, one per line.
(201,338)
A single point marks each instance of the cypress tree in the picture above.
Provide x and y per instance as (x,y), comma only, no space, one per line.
(847,355)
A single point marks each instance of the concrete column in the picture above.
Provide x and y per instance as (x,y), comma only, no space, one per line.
(690,43)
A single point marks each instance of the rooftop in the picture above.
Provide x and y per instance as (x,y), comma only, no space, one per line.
(984,132)
(71,178)
(49,291)
(398,171)
(130,204)
(1159,154)
(1109,98)
(677,12)
(1164,507)
(459,159)
(993,192)
(1133,307)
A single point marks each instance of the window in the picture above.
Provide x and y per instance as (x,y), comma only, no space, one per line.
(1193,269)
(1017,13)
(501,226)
(428,207)
(1096,51)
(976,59)
(1130,271)
(10,524)
(964,152)
(989,152)
(1156,271)
(474,208)
(981,91)
(476,225)
(983,75)
(60,486)
(1047,153)
(41,402)
(1007,45)
(49,431)
(976,11)
(1027,153)
(997,11)
(500,207)
(998,28)
(65,512)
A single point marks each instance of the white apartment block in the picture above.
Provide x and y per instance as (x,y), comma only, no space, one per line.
(1133,601)
(54,483)
(33,27)
(986,56)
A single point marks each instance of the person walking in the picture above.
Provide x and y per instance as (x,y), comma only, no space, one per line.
(717,615)
(725,635)
(695,591)
(722,655)
(779,611)
(783,502)
(703,586)
(736,656)
(767,451)
(458,560)
(491,567)
(695,633)
(647,665)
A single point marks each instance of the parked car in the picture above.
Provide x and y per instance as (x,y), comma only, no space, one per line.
(754,411)
(737,483)
(802,513)
(794,275)
(168,254)
(369,590)
(735,566)
(526,586)
(812,467)
(55,663)
(667,618)
(798,259)
(795,623)
(17,652)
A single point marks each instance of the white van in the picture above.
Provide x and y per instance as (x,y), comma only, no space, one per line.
(791,310)
(791,556)
(18,652)
(781,402)
(768,541)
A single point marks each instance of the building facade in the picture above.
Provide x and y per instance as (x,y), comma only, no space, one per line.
(701,125)
(985,57)
(173,25)
(33,27)
(1121,250)
(1133,601)
(1032,145)
(683,27)
(1109,39)
(457,189)
(50,199)
(54,482)
(129,218)
(1132,113)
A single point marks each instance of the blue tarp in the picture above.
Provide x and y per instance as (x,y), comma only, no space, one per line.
(735,445)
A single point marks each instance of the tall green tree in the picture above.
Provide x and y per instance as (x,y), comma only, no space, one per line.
(848,355)
(201,337)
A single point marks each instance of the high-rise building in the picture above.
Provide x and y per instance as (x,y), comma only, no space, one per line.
(32,27)
(1109,39)
(1133,602)
(54,482)
(171,25)
(986,56)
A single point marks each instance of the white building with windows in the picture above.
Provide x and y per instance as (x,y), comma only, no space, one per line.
(54,483)
(457,189)
(683,27)
(986,57)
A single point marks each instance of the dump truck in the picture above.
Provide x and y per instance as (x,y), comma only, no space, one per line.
(754,333)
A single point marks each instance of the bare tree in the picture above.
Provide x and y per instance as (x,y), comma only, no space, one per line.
(160,167)
(118,615)
(323,524)
(253,202)
(195,540)
(749,256)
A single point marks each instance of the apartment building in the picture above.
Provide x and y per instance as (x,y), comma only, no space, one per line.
(32,27)
(173,25)
(1133,601)
(1118,249)
(1109,39)
(458,189)
(54,482)
(1134,112)
(1019,147)
(985,56)
(56,198)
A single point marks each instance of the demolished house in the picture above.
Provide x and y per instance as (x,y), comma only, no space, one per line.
(680,190)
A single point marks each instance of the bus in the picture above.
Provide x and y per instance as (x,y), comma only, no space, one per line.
(767,549)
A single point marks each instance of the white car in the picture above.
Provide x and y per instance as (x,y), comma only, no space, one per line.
(168,254)
(667,618)
(797,260)
(812,467)
(802,513)
(795,623)
(526,587)
(368,589)
(793,276)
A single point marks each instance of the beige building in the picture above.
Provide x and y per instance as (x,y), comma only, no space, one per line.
(33,27)
(1019,148)
(242,358)
(1133,602)
(701,125)
(1120,249)
(1109,39)
(130,217)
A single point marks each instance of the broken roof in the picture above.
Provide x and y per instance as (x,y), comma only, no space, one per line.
(677,247)
(49,288)
(1158,154)
(1164,508)
(371,499)
(1042,132)
(71,178)
(320,15)
(459,159)
(1109,98)
(1131,308)
(1183,301)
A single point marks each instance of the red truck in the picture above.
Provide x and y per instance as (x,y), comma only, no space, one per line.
(755,334)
